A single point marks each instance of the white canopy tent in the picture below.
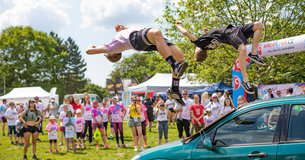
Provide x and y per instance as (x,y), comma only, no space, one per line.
(160,82)
(23,95)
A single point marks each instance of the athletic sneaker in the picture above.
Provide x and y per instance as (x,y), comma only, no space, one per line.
(247,87)
(136,148)
(145,145)
(51,151)
(124,145)
(77,147)
(179,69)
(98,147)
(256,59)
(107,146)
(118,145)
(142,148)
(176,96)
(24,157)
(34,157)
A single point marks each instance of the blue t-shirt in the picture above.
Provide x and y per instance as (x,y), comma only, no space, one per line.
(69,129)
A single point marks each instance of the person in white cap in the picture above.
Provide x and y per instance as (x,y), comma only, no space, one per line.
(209,118)
(80,128)
(215,106)
(52,128)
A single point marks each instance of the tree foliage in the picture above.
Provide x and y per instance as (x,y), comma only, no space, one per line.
(281,19)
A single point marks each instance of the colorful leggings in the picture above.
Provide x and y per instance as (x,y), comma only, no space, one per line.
(118,126)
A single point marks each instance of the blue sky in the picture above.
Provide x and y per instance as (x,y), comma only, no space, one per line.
(88,22)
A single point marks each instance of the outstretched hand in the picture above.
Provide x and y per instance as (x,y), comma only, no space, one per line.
(205,30)
(119,27)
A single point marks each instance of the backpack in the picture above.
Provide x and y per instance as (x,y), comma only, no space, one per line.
(20,125)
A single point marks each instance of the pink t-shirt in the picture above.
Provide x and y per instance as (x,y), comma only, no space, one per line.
(97,114)
(54,129)
(143,109)
(121,42)
(105,112)
(80,122)
(116,111)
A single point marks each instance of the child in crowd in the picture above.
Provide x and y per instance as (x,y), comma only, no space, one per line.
(105,112)
(97,123)
(209,118)
(162,114)
(241,101)
(62,115)
(117,113)
(52,129)
(80,128)
(227,107)
(69,123)
(11,115)
(19,132)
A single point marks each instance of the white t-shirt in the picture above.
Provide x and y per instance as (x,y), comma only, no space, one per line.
(87,112)
(162,115)
(208,119)
(186,113)
(80,122)
(3,108)
(266,96)
(215,108)
(206,102)
(40,106)
(11,113)
(225,110)
(62,115)
(170,103)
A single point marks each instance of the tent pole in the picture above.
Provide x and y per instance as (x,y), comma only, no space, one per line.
(3,84)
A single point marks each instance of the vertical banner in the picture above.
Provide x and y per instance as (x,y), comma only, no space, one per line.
(119,86)
(126,98)
(110,87)
(53,92)
(272,48)
(145,78)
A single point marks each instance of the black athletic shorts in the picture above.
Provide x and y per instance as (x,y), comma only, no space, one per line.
(150,116)
(139,41)
(80,135)
(53,140)
(31,129)
(172,110)
(238,35)
(105,125)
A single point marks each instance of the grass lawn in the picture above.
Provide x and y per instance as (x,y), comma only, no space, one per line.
(9,151)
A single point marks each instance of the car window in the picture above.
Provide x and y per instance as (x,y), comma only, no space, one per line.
(256,126)
(296,124)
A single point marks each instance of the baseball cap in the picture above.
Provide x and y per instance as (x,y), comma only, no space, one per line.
(52,117)
(214,95)
(208,110)
(78,111)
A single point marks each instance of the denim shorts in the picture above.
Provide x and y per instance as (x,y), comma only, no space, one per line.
(132,123)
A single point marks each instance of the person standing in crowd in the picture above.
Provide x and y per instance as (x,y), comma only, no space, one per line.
(134,123)
(215,106)
(105,114)
(279,94)
(241,101)
(170,104)
(69,123)
(29,118)
(11,115)
(79,128)
(205,99)
(162,114)
(20,135)
(62,116)
(70,107)
(77,105)
(197,114)
(117,113)
(42,108)
(72,102)
(3,109)
(227,107)
(224,96)
(144,120)
(183,122)
(149,103)
(52,128)
(21,108)
(289,92)
(97,123)
(53,108)
(87,107)
(268,95)
(209,118)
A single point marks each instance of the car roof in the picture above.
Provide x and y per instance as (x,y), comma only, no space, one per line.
(275,101)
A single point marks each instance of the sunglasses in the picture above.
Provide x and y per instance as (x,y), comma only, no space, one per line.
(214,97)
(138,100)
(11,104)
(184,94)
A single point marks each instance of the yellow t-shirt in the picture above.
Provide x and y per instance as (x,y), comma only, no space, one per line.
(133,112)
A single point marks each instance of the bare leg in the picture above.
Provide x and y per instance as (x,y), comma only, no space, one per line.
(67,144)
(96,50)
(159,142)
(26,142)
(73,144)
(145,139)
(55,145)
(242,62)
(177,53)
(258,30)
(166,140)
(155,36)
(50,146)
(134,136)
(103,136)
(34,138)
(139,129)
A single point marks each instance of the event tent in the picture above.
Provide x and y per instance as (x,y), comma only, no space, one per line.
(23,95)
(160,82)
(216,87)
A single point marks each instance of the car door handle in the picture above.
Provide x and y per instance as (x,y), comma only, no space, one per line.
(261,155)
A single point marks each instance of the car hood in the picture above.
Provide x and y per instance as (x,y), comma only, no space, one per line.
(173,150)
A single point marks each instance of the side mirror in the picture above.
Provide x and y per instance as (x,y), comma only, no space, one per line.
(207,143)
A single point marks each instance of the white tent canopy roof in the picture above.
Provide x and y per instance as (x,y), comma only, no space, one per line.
(22,95)
(160,82)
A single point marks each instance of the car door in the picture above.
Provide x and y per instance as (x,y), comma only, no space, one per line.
(250,135)
(292,144)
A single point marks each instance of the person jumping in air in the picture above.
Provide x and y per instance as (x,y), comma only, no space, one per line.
(146,39)
(233,35)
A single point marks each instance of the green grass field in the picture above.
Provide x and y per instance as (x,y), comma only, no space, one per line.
(9,151)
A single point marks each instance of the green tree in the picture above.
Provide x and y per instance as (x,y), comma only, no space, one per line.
(95,89)
(281,19)
(139,64)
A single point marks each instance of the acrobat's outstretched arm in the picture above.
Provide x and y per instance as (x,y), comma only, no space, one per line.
(185,33)
(96,50)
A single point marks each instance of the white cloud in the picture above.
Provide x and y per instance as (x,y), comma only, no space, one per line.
(105,14)
(45,15)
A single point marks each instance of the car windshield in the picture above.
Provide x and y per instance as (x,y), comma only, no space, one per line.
(202,131)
